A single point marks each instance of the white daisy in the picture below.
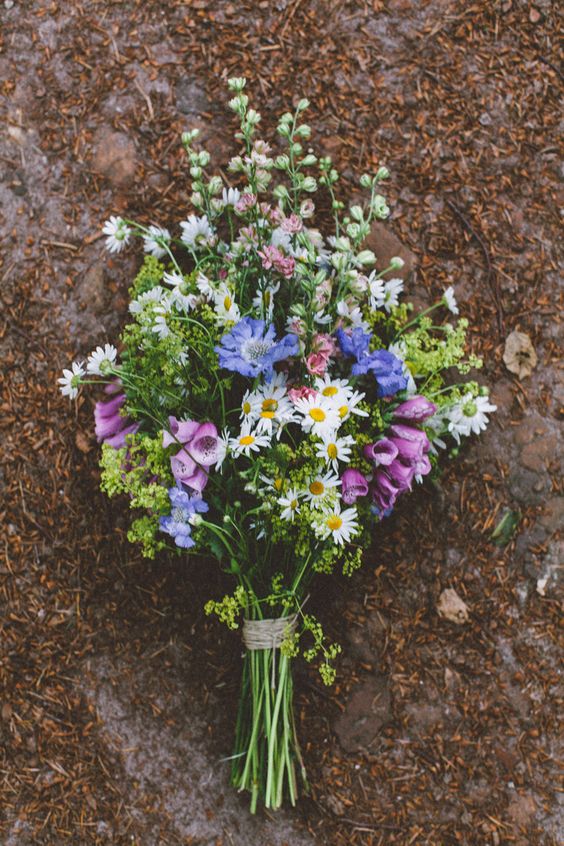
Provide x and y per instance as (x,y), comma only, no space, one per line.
(205,287)
(70,380)
(226,309)
(280,238)
(321,318)
(154,239)
(340,525)
(222,448)
(117,234)
(274,409)
(290,504)
(230,196)
(175,279)
(392,290)
(339,391)
(101,360)
(250,404)
(155,295)
(469,416)
(352,315)
(351,407)
(333,449)
(263,301)
(400,351)
(160,327)
(196,231)
(450,300)
(320,415)
(377,291)
(248,441)
(320,487)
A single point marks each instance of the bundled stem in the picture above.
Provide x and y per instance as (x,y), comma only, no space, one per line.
(267,752)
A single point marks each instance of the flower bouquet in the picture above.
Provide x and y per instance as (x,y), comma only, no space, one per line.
(271,401)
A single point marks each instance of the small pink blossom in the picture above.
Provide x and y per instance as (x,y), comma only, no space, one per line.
(292,224)
(303,392)
(307,208)
(245,202)
(322,294)
(323,348)
(273,257)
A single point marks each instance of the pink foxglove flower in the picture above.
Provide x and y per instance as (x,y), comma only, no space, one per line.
(199,451)
(415,409)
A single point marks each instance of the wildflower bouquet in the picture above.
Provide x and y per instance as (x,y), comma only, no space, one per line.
(271,402)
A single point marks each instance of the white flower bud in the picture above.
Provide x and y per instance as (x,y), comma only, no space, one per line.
(357,213)
(382,173)
(309,184)
(236,83)
(366,257)
(396,263)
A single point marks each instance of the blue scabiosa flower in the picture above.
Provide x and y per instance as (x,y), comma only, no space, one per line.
(250,348)
(386,367)
(179,522)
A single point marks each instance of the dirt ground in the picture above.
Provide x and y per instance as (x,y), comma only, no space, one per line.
(116,693)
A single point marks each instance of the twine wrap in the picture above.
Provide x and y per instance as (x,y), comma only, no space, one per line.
(268,634)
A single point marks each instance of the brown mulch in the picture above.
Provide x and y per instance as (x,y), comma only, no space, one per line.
(460,101)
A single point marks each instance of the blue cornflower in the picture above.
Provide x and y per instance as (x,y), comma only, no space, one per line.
(386,367)
(178,523)
(250,348)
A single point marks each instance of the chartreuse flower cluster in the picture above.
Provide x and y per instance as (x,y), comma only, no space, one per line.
(273,398)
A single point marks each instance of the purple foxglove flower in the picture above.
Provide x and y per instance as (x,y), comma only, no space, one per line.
(353,485)
(386,486)
(382,452)
(384,492)
(415,409)
(109,425)
(422,466)
(118,440)
(108,408)
(199,451)
(180,431)
(401,474)
(411,443)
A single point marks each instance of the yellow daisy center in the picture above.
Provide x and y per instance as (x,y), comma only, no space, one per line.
(329,391)
(343,411)
(278,484)
(317,488)
(227,303)
(269,405)
(246,440)
(268,415)
(332,451)
(317,414)
(334,522)
(246,408)
(294,504)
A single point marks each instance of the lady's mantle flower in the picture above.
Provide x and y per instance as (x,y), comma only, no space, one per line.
(386,367)
(250,348)
(199,451)
(450,300)
(101,361)
(71,379)
(469,416)
(154,241)
(341,526)
(179,522)
(117,234)
(196,231)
